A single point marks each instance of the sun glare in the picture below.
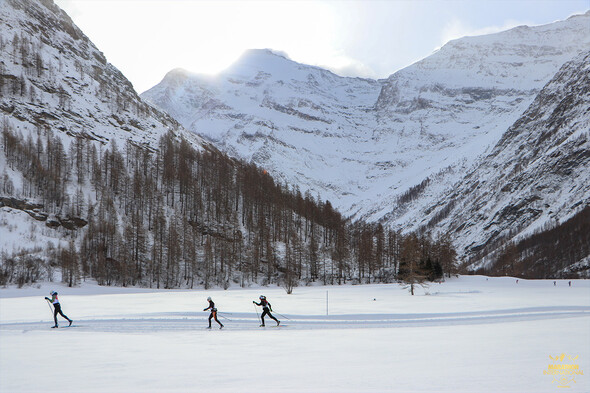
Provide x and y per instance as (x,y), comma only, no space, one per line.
(146,39)
(206,36)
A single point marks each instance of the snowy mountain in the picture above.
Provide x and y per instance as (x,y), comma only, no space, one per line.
(381,150)
(441,113)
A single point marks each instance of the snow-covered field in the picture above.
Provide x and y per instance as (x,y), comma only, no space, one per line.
(470,334)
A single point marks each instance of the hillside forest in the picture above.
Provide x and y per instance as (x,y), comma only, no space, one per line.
(181,217)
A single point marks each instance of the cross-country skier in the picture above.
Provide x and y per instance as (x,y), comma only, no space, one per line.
(213,313)
(266,309)
(57,308)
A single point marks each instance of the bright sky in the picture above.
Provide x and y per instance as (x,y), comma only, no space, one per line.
(366,38)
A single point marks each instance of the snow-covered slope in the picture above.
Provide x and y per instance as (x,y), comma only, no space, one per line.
(363,144)
(537,174)
(53,77)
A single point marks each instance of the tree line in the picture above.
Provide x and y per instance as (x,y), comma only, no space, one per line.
(177,216)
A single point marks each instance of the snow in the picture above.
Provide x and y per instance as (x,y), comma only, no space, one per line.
(469,334)
(21,232)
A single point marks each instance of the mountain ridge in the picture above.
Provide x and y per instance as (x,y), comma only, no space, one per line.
(382,133)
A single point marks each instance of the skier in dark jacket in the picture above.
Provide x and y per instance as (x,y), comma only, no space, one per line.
(57,308)
(266,309)
(213,313)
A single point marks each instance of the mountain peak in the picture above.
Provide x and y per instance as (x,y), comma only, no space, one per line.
(269,61)
(505,59)
(261,53)
(177,76)
(581,15)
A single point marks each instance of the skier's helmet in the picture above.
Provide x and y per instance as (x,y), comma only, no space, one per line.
(53,293)
(262,297)
(209,299)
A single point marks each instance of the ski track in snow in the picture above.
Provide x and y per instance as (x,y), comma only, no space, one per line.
(158,322)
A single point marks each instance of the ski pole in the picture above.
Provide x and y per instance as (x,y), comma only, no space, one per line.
(49,305)
(281,315)
(224,317)
(255,309)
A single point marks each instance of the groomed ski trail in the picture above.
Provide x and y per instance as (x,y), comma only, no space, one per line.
(243,321)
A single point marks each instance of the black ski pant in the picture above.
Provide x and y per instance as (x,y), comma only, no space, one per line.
(267,312)
(214,315)
(57,310)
